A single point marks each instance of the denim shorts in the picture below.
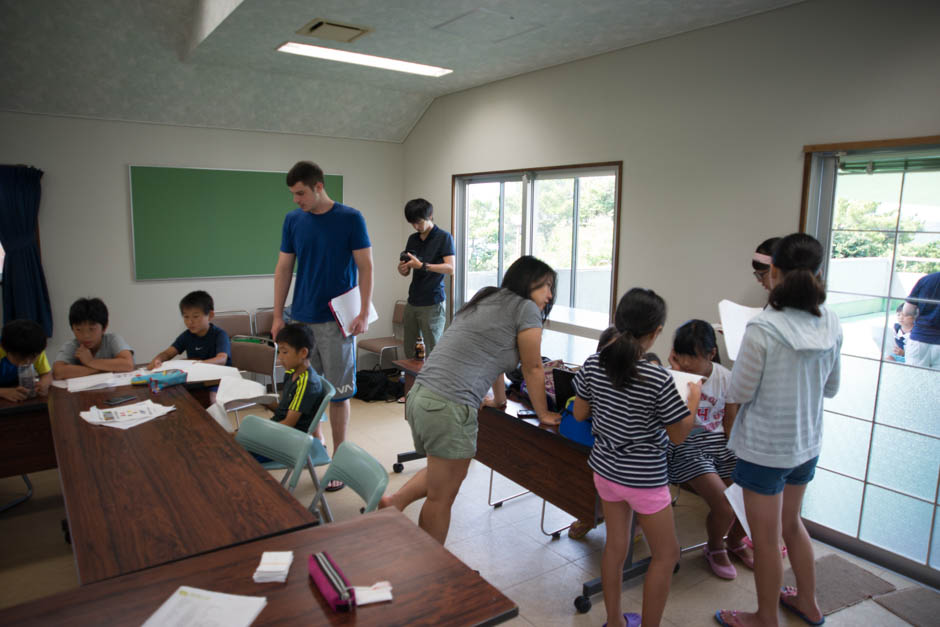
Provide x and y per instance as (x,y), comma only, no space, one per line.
(767,480)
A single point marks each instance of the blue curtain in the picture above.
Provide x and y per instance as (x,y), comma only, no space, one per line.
(25,294)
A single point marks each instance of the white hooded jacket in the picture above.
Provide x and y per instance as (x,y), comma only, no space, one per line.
(789,360)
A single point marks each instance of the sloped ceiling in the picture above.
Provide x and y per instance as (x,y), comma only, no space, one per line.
(213,62)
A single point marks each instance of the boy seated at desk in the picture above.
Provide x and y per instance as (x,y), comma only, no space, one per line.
(23,342)
(202,340)
(92,351)
(301,390)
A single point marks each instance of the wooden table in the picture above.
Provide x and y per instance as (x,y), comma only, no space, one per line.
(25,437)
(430,586)
(171,488)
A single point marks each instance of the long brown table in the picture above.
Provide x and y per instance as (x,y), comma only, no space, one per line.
(429,585)
(25,437)
(171,488)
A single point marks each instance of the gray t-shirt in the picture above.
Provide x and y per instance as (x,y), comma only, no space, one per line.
(111,345)
(478,346)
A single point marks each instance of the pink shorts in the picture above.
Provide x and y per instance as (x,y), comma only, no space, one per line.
(643,500)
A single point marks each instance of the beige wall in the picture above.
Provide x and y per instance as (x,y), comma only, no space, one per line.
(709,126)
(84,218)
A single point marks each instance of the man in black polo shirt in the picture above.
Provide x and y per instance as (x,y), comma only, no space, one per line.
(430,254)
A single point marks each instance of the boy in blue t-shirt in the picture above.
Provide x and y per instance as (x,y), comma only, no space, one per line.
(202,340)
(23,342)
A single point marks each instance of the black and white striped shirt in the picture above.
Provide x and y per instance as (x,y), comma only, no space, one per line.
(629,424)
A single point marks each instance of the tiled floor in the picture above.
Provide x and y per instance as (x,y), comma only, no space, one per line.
(543,576)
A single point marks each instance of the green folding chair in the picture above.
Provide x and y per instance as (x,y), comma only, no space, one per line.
(285,446)
(359,471)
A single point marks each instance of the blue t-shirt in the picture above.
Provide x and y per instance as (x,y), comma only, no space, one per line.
(427,288)
(323,245)
(927,324)
(215,341)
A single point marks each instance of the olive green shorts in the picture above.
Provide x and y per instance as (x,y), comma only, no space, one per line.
(441,427)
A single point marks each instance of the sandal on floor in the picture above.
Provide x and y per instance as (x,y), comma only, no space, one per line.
(739,552)
(747,540)
(789,592)
(335,485)
(579,529)
(732,620)
(633,620)
(725,572)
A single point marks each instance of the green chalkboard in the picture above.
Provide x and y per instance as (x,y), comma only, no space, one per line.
(190,223)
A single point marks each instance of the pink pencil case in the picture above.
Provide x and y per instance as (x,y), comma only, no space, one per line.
(331,582)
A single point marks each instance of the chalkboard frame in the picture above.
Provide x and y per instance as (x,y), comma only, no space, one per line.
(146,206)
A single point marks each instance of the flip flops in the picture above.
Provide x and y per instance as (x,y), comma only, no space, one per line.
(335,485)
(633,620)
(789,592)
(732,618)
(723,571)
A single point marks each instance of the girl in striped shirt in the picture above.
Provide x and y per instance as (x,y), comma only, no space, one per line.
(636,410)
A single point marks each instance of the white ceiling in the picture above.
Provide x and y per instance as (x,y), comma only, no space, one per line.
(213,62)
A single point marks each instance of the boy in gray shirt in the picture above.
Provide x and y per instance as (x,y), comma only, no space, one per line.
(92,351)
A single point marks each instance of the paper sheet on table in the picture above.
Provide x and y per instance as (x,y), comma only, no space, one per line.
(682,380)
(91,382)
(734,319)
(126,416)
(198,371)
(189,607)
(735,496)
(233,389)
(377,593)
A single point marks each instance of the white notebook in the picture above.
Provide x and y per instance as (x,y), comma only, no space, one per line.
(734,319)
(345,308)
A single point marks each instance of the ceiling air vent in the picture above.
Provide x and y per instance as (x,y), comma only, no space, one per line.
(334,31)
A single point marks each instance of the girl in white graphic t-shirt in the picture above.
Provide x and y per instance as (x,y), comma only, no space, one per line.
(703,460)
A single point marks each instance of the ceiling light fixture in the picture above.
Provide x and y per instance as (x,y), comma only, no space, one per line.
(331,54)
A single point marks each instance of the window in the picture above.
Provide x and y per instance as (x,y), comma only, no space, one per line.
(878,213)
(565,216)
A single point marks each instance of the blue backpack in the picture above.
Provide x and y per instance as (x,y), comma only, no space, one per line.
(580,432)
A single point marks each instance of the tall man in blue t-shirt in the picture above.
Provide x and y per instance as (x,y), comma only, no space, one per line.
(923,345)
(331,246)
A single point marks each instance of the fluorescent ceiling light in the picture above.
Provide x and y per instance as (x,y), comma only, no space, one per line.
(332,54)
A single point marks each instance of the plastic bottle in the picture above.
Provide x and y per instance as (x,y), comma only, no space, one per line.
(27,377)
(419,349)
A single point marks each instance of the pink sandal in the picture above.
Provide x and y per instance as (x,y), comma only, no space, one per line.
(732,618)
(740,552)
(725,572)
(747,541)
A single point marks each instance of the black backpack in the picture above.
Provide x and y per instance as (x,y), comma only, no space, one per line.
(379,384)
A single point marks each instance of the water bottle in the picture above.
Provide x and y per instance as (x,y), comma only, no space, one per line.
(27,376)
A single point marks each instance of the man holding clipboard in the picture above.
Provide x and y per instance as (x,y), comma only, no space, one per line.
(331,246)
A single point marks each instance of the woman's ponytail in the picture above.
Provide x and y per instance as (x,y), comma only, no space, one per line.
(798,257)
(639,313)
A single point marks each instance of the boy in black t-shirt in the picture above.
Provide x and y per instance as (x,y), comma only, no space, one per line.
(430,254)
(201,340)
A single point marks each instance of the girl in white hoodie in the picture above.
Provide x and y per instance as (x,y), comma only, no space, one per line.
(789,361)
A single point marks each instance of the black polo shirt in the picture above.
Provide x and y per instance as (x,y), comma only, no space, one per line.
(302,394)
(427,288)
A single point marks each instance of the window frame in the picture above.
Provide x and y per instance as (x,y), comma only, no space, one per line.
(820,174)
(459,228)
